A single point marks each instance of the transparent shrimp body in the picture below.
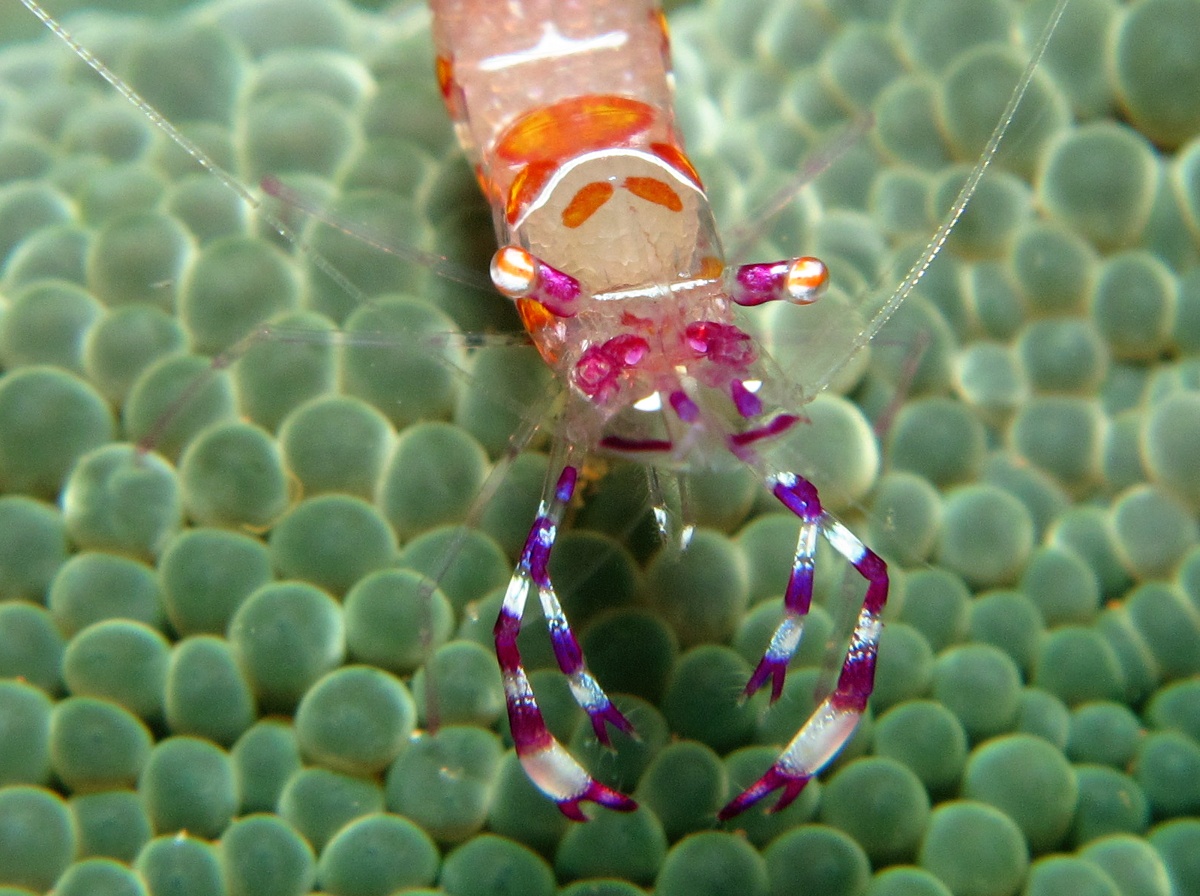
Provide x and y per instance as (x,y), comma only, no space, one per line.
(609,248)
(641,329)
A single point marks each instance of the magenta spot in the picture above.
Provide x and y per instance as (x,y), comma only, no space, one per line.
(747,403)
(778,424)
(505,632)
(620,443)
(855,683)
(772,668)
(629,349)
(773,779)
(685,409)
(599,794)
(566,484)
(593,374)
(720,343)
(606,714)
(597,373)
(800,498)
(537,551)
(872,566)
(874,570)
(798,597)
(566,650)
(529,731)
(557,291)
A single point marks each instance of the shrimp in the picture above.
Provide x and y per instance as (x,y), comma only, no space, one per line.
(609,251)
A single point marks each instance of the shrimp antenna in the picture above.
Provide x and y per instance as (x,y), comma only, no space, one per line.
(203,159)
(272,186)
(441,266)
(934,247)
(156,118)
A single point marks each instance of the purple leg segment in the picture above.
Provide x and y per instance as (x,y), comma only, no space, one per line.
(546,761)
(747,403)
(834,720)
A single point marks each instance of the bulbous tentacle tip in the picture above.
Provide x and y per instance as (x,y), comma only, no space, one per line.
(607,715)
(768,668)
(773,779)
(597,793)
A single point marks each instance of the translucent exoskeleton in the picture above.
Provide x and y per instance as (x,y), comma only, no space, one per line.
(610,252)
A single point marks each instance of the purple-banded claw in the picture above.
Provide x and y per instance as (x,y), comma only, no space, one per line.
(773,779)
(768,667)
(604,716)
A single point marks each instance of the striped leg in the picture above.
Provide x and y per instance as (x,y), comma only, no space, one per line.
(548,764)
(834,720)
(796,602)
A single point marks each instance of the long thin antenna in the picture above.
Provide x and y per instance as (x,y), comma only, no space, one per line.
(203,159)
(156,118)
(439,264)
(442,266)
(934,247)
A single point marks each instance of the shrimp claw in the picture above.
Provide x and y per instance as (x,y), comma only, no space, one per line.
(551,768)
(834,720)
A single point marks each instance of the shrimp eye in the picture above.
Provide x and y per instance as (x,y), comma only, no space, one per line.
(514,271)
(807,279)
(518,274)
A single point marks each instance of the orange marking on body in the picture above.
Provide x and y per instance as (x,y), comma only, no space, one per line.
(486,185)
(525,186)
(443,67)
(574,126)
(673,156)
(807,278)
(637,322)
(451,90)
(659,18)
(514,271)
(711,267)
(586,202)
(654,190)
(535,318)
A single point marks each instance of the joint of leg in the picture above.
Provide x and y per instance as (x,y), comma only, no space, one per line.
(799,496)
